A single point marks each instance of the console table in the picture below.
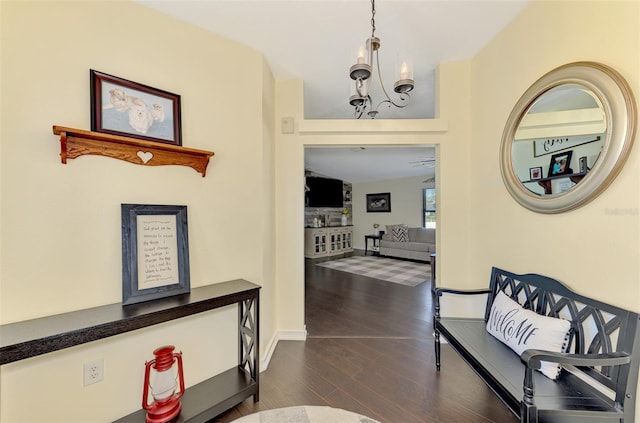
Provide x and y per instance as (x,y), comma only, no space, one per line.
(200,402)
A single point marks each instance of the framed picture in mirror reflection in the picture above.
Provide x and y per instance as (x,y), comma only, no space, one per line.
(560,164)
(535,173)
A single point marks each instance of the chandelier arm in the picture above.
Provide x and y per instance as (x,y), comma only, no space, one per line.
(384,90)
(391,103)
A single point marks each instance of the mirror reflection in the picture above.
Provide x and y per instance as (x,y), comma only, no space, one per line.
(567,137)
(558,140)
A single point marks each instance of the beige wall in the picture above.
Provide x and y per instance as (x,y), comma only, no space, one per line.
(406,205)
(593,249)
(60,224)
(266,209)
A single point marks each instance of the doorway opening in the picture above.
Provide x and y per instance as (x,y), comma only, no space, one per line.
(404,172)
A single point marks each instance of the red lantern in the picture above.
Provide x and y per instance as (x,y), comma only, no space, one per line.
(166,401)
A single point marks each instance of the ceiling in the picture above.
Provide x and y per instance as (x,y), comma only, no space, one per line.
(370,163)
(317,41)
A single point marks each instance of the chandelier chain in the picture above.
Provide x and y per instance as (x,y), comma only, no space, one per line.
(373,18)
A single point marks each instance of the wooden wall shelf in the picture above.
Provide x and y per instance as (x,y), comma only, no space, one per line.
(546,182)
(77,142)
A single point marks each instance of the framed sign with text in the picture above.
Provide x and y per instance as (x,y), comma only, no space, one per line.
(543,147)
(155,252)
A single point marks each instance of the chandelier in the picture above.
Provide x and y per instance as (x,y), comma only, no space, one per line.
(361,74)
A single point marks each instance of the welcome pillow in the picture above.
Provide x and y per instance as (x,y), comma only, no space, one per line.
(521,329)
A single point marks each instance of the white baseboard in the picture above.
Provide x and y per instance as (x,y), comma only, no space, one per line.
(293,335)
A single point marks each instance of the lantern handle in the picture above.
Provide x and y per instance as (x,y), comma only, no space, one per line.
(178,356)
(145,389)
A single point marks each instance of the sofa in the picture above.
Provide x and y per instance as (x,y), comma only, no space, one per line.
(409,243)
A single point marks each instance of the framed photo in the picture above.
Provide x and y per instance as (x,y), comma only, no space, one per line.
(379,203)
(559,164)
(126,108)
(535,173)
(155,252)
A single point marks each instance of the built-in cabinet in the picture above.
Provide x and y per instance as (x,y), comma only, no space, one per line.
(315,242)
(322,242)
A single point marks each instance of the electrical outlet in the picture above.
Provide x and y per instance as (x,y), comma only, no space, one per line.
(93,372)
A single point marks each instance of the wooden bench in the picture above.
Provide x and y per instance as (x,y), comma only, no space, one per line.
(599,372)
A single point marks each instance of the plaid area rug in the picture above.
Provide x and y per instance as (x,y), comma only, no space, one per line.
(388,269)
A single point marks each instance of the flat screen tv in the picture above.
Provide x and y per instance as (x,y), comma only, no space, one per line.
(324,192)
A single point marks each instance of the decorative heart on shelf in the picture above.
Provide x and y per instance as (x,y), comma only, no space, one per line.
(145,156)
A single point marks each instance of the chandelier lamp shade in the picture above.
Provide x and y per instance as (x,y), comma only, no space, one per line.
(361,73)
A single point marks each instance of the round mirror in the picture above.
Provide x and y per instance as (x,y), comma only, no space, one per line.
(567,137)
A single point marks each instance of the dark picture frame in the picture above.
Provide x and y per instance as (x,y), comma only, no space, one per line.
(535,173)
(155,252)
(127,108)
(560,164)
(379,203)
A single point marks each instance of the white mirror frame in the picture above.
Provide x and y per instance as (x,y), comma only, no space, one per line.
(619,105)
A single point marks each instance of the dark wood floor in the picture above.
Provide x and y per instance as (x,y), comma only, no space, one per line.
(370,350)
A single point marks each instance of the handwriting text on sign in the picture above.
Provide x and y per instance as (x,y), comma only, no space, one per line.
(157,251)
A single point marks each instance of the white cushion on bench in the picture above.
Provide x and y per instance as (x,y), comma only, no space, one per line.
(521,329)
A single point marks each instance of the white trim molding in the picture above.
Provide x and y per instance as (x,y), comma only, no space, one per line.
(300,335)
(372,126)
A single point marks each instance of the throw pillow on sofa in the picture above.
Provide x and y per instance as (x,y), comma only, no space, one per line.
(390,228)
(521,329)
(388,233)
(400,233)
